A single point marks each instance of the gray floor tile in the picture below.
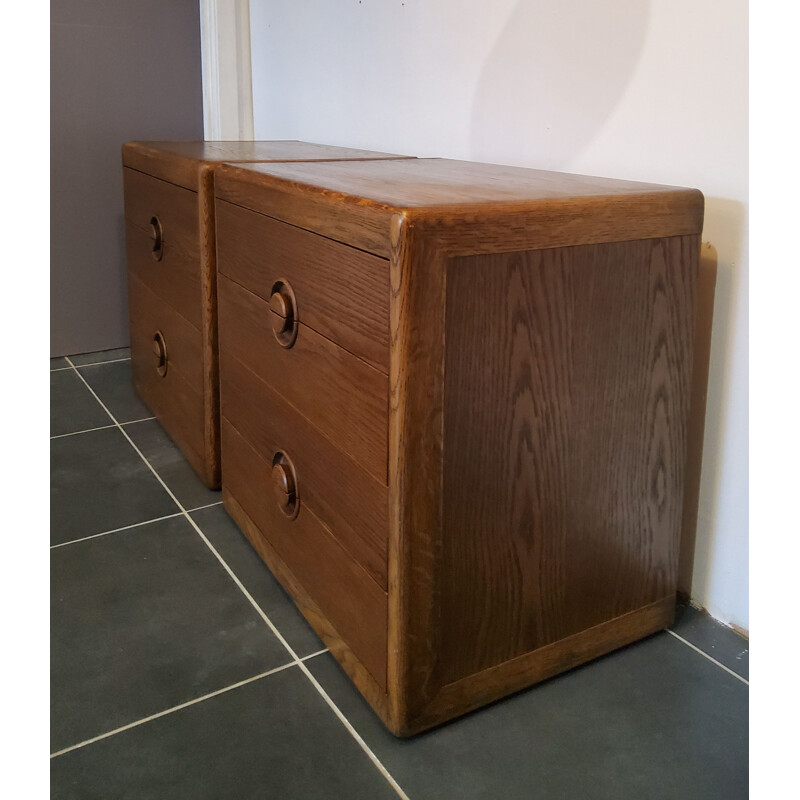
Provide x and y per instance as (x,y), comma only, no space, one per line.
(72,407)
(232,545)
(147,618)
(719,641)
(58,363)
(99,483)
(171,465)
(100,356)
(647,721)
(143,620)
(113,385)
(273,738)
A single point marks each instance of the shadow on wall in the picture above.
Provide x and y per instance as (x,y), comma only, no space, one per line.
(554,77)
(724,219)
(704,316)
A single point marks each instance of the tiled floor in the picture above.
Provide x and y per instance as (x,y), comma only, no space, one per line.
(179,668)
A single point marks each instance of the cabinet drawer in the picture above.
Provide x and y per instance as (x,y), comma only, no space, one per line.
(175,278)
(350,600)
(340,292)
(174,208)
(351,503)
(176,396)
(344,397)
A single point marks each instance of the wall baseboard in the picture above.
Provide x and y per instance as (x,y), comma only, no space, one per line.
(683,597)
(743,632)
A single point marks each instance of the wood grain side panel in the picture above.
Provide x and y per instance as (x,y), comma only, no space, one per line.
(175,279)
(353,505)
(342,396)
(175,207)
(491,684)
(176,399)
(208,321)
(338,586)
(342,293)
(564,442)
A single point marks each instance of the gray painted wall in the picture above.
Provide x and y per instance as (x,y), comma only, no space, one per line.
(120,69)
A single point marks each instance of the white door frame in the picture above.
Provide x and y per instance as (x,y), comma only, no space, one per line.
(227,71)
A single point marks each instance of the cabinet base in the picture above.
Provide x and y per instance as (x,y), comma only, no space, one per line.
(476,690)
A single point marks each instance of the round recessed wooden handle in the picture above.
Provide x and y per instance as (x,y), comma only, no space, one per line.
(284,485)
(160,353)
(158,238)
(283,305)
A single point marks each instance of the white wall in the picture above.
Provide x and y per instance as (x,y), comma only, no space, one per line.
(653,91)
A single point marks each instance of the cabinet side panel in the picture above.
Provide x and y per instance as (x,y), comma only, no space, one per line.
(208,304)
(565,409)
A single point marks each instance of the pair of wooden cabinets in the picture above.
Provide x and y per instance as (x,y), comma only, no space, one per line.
(448,401)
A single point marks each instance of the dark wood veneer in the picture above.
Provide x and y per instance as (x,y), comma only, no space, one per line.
(316,559)
(563,461)
(341,292)
(345,398)
(169,209)
(531,433)
(176,397)
(341,493)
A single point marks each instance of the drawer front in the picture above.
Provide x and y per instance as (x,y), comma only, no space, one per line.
(175,278)
(342,396)
(353,505)
(340,292)
(175,208)
(176,396)
(348,597)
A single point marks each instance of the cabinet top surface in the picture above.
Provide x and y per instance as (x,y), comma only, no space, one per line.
(180,161)
(434,182)
(253,151)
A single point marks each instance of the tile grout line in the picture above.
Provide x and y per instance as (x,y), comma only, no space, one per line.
(116,530)
(192,702)
(101,427)
(93,364)
(364,746)
(299,662)
(135,524)
(172,709)
(86,430)
(313,655)
(200,508)
(710,658)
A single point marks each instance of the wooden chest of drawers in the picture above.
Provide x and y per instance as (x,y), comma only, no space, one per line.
(454,400)
(169,224)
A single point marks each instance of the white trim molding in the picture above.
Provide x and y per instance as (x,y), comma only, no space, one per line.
(227,71)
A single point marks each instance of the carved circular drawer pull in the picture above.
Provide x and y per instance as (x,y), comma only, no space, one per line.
(158,238)
(160,352)
(284,484)
(283,305)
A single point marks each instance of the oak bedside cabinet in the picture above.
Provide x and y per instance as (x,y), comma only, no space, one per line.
(169,224)
(454,402)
